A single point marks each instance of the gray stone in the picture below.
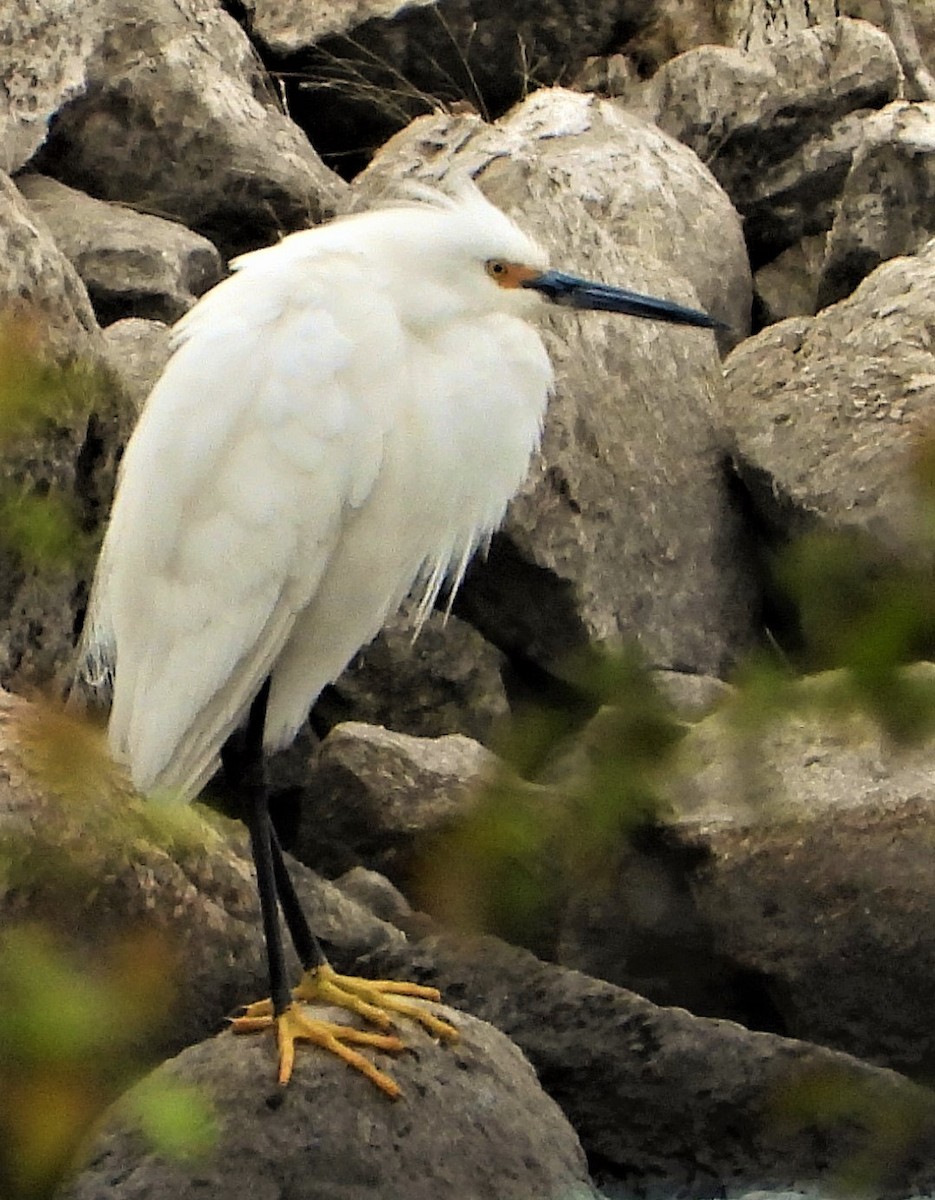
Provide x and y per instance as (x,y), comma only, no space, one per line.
(37,278)
(374,891)
(768,22)
(788,286)
(138,350)
(814,875)
(825,410)
(778,128)
(176,117)
(133,264)
(44,50)
(691,695)
(887,206)
(447,680)
(45,447)
(673,1104)
(921,18)
(473,1123)
(381,794)
(790,889)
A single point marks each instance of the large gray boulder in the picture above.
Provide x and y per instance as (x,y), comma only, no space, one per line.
(472,1123)
(133,264)
(56,377)
(777,125)
(887,205)
(826,410)
(175,115)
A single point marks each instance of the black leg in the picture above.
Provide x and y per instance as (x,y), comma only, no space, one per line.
(307,946)
(244,765)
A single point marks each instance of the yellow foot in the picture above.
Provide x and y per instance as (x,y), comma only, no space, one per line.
(379,1001)
(294,1025)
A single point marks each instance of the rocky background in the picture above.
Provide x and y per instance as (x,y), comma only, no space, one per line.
(725,981)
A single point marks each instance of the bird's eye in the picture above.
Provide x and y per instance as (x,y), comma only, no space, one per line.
(506,274)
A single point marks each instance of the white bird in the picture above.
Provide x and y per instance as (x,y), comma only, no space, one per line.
(343,420)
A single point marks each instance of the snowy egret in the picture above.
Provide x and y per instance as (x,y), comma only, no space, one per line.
(343,421)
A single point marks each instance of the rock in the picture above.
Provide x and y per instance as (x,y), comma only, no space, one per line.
(812,869)
(920,50)
(663,1100)
(35,275)
(887,205)
(753,26)
(54,367)
(828,918)
(777,128)
(357,73)
(473,1123)
(44,50)
(133,264)
(633,418)
(375,892)
(380,794)
(691,695)
(446,681)
(825,410)
(788,286)
(796,864)
(138,350)
(176,117)
(672,1104)
(802,764)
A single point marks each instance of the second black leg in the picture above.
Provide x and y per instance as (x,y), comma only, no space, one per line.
(307,945)
(245,767)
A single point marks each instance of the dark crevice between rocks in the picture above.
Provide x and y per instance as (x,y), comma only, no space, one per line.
(110,307)
(91,456)
(771,521)
(532,616)
(91,502)
(528,612)
(647,933)
(351,93)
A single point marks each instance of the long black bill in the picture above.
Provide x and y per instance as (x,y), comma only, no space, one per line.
(573,292)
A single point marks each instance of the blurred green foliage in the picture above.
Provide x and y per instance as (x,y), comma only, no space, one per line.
(570,790)
(83,1010)
(560,797)
(34,389)
(39,398)
(885,1120)
(43,531)
(84,1002)
(73,1038)
(570,794)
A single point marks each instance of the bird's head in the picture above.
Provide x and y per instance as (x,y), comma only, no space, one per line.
(449,256)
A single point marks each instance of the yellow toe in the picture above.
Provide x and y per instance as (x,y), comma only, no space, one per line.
(294,1026)
(376,1000)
